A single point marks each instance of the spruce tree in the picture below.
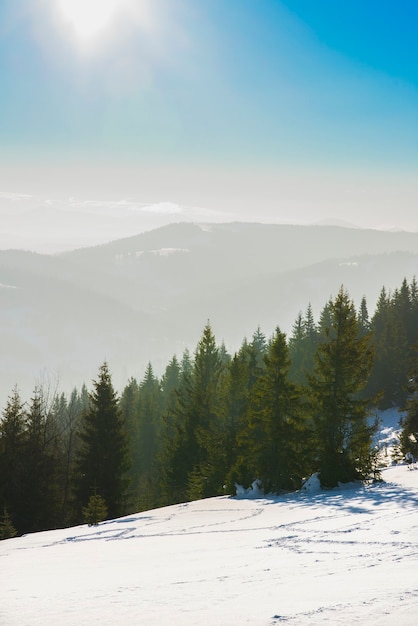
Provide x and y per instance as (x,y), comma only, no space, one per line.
(12,460)
(302,347)
(296,349)
(68,415)
(102,462)
(343,362)
(274,438)
(95,511)
(170,382)
(259,345)
(234,407)
(42,465)
(392,347)
(170,385)
(175,385)
(208,428)
(363,316)
(409,423)
(149,423)
(149,413)
(196,456)
(128,406)
(246,368)
(7,530)
(381,379)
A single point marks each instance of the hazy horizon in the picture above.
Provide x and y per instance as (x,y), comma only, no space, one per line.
(53,221)
(50,225)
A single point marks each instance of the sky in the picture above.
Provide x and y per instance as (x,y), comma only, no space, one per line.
(284,110)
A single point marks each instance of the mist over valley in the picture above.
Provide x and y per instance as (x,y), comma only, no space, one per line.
(147,297)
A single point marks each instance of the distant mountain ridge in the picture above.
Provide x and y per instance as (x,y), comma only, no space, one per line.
(147,297)
(330,221)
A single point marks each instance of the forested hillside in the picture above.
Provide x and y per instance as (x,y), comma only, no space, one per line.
(277,410)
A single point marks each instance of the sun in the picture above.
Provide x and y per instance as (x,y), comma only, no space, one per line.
(90,18)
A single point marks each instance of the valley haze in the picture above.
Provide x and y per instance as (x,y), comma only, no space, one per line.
(146,297)
(54,222)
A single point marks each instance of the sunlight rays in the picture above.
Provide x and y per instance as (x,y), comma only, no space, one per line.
(90,22)
(88,17)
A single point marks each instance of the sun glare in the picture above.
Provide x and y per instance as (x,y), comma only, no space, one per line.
(90,18)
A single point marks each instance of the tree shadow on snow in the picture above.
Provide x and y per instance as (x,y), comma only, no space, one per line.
(352,497)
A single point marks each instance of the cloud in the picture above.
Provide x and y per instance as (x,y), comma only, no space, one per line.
(166,208)
(14,197)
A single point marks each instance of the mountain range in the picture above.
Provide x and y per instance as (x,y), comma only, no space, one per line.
(147,297)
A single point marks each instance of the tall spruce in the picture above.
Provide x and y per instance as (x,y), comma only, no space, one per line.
(259,346)
(170,384)
(195,461)
(302,347)
(102,462)
(363,316)
(42,465)
(409,423)
(128,406)
(382,376)
(149,409)
(343,433)
(234,402)
(7,530)
(149,421)
(273,441)
(395,330)
(242,375)
(68,414)
(12,460)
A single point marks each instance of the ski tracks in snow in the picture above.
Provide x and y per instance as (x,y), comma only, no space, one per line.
(346,556)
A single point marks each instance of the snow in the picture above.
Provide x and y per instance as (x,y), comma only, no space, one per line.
(344,556)
(313,484)
(168,251)
(255,491)
(387,437)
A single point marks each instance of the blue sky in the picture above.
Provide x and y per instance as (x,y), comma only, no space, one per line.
(218,99)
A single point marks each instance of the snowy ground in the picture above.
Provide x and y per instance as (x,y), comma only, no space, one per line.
(387,438)
(346,556)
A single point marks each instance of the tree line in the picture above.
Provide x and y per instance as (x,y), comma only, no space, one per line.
(276,411)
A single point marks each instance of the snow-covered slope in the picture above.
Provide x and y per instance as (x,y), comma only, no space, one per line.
(346,556)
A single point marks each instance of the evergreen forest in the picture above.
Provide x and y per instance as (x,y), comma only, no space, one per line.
(276,411)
